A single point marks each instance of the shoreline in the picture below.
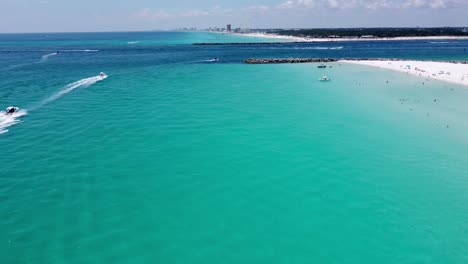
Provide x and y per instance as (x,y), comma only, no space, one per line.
(314,60)
(308,39)
(455,73)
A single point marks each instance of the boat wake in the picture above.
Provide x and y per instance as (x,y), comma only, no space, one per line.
(308,48)
(16,66)
(49,50)
(43,59)
(85,50)
(47,56)
(211,60)
(83,83)
(322,48)
(7,120)
(71,50)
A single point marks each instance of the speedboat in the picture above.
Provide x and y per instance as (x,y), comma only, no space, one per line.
(324,79)
(102,75)
(11,110)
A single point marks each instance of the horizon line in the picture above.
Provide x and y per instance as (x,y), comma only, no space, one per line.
(204,29)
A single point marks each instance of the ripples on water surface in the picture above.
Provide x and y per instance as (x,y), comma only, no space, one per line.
(175,159)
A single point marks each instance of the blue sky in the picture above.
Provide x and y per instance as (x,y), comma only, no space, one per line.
(121,15)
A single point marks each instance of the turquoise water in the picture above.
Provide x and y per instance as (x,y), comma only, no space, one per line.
(172,159)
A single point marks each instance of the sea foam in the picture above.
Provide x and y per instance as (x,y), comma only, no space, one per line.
(7,120)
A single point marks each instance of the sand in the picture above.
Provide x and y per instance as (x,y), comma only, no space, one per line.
(306,39)
(433,70)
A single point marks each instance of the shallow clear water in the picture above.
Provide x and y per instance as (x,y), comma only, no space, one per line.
(172,159)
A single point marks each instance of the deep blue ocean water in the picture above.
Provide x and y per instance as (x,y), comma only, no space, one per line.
(176,159)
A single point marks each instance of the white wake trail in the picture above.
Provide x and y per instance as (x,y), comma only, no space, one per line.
(70,87)
(47,56)
(44,58)
(7,120)
(321,48)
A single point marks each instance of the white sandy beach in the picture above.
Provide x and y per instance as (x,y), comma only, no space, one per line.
(443,71)
(306,39)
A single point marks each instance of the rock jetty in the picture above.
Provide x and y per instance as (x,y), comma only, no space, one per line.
(288,60)
(325,60)
(244,43)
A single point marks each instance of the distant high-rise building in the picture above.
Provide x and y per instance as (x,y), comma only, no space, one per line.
(228,28)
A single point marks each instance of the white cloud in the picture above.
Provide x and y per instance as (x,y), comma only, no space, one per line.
(434,4)
(337,4)
(438,4)
(290,4)
(418,3)
(148,13)
(194,13)
(376,5)
(306,3)
(257,9)
(286,5)
(263,8)
(301,6)
(159,14)
(333,3)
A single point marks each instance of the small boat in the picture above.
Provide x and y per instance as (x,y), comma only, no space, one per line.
(324,79)
(322,66)
(11,110)
(102,75)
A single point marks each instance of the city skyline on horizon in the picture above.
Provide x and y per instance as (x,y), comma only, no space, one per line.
(144,15)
